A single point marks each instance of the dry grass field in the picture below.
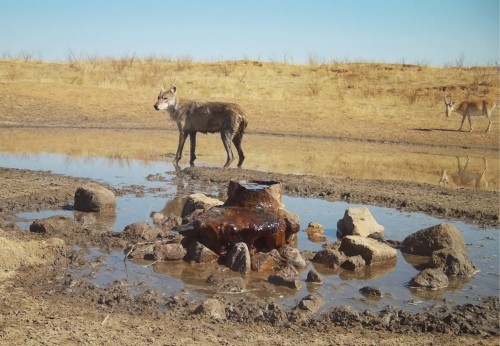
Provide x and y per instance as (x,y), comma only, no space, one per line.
(363,120)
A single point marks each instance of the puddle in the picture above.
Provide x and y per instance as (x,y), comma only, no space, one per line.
(338,288)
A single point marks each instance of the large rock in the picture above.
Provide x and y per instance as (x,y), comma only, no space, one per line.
(199,253)
(453,262)
(238,258)
(288,277)
(429,278)
(329,257)
(198,201)
(252,214)
(94,198)
(358,221)
(428,240)
(267,261)
(371,250)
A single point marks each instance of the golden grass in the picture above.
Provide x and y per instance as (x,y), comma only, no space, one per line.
(316,103)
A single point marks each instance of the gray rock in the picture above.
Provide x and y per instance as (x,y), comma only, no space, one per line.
(358,221)
(199,253)
(292,255)
(370,292)
(453,262)
(314,277)
(238,258)
(168,252)
(429,278)
(371,250)
(428,240)
(354,263)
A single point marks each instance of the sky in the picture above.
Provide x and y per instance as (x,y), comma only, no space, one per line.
(431,32)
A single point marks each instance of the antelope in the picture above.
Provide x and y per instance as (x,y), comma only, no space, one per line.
(206,117)
(468,109)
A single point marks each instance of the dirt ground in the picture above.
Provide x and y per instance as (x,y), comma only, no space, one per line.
(43,304)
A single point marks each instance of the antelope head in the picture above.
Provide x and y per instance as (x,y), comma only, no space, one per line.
(448,104)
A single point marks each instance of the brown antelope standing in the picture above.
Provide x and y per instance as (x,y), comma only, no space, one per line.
(206,117)
(468,109)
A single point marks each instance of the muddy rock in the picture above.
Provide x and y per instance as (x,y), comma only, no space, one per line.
(288,277)
(140,251)
(453,262)
(199,253)
(222,283)
(139,231)
(372,251)
(429,278)
(260,223)
(428,240)
(330,257)
(213,308)
(267,261)
(198,201)
(354,263)
(238,258)
(314,277)
(94,198)
(358,221)
(55,225)
(370,292)
(310,303)
(292,256)
(168,252)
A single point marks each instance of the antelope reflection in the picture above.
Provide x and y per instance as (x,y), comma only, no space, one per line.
(465,178)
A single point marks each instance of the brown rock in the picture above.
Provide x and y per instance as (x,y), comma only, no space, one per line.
(428,240)
(200,253)
(288,277)
(330,257)
(358,221)
(169,252)
(267,261)
(372,251)
(429,278)
(453,262)
(354,263)
(94,199)
(139,231)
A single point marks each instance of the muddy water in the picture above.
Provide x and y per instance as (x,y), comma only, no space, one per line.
(339,287)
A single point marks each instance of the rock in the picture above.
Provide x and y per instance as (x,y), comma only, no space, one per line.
(140,251)
(200,253)
(426,241)
(370,292)
(453,262)
(372,251)
(198,201)
(310,303)
(139,231)
(358,221)
(267,261)
(314,228)
(330,257)
(238,258)
(94,199)
(429,278)
(264,194)
(314,277)
(292,256)
(55,225)
(344,316)
(260,223)
(213,308)
(168,252)
(157,217)
(224,284)
(317,238)
(288,277)
(354,263)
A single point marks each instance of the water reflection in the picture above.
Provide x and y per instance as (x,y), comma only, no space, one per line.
(465,177)
(340,287)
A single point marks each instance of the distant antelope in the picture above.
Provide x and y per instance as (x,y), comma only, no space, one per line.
(470,108)
(206,117)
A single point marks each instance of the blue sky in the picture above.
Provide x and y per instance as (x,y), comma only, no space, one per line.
(434,32)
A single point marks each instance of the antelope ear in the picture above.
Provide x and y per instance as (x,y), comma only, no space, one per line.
(173,89)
